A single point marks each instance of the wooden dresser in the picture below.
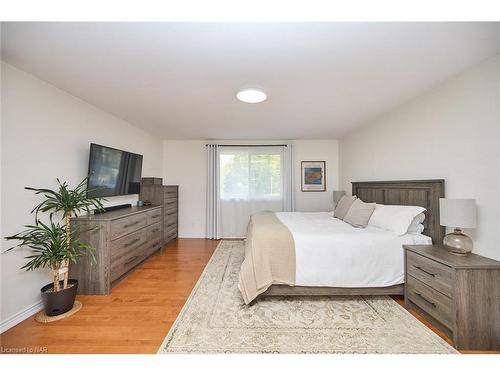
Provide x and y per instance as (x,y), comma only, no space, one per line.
(122,239)
(166,196)
(459,294)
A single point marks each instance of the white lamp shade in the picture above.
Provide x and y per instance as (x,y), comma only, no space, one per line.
(457,213)
(337,194)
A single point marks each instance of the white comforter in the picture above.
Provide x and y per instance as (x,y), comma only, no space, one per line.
(330,252)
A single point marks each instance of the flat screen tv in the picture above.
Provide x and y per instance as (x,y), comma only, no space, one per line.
(113,172)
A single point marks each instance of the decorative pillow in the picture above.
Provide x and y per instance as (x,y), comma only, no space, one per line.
(416,224)
(359,214)
(396,219)
(343,206)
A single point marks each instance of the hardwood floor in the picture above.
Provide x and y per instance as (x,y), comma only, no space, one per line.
(134,318)
(138,313)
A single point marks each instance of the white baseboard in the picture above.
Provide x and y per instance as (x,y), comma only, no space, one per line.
(191,235)
(20,316)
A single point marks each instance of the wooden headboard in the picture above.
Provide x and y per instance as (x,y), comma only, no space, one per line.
(424,193)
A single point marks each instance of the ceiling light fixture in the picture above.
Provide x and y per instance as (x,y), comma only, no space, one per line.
(251,96)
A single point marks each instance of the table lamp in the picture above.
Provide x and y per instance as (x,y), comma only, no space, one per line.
(457,213)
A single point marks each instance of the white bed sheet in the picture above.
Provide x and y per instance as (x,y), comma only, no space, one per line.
(330,252)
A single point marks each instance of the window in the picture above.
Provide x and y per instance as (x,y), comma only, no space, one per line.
(251,173)
(243,180)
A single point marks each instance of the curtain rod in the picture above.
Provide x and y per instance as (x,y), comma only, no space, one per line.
(249,145)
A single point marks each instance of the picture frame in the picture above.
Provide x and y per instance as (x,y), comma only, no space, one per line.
(313,176)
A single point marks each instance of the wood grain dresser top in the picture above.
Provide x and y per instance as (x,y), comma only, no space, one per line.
(440,254)
(117,214)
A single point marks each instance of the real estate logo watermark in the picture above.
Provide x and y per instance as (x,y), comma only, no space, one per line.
(24,350)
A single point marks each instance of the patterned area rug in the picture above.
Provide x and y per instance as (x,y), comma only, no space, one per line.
(215,320)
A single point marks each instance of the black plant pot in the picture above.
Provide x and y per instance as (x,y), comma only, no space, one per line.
(57,303)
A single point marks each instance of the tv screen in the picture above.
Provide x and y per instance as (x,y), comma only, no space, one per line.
(113,172)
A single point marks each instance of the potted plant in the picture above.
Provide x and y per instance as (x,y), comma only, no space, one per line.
(55,245)
(50,247)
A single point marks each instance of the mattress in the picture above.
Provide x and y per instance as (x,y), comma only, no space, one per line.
(332,253)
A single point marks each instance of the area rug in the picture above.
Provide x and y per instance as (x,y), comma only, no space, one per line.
(216,320)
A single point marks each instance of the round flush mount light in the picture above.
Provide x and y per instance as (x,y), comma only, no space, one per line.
(251,96)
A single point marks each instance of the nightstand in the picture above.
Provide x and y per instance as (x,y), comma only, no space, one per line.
(458,294)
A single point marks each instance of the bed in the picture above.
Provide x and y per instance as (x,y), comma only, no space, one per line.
(329,256)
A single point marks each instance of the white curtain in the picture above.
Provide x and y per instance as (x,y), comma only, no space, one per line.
(213,201)
(288,180)
(252,179)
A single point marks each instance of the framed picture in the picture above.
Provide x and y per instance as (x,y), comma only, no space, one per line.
(313,175)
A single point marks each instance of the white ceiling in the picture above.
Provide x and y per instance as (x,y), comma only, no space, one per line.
(178,80)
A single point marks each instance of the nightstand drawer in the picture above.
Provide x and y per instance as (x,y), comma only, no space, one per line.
(460,293)
(434,274)
(429,300)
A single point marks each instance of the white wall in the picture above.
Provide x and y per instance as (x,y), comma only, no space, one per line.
(316,150)
(46,134)
(185,164)
(452,132)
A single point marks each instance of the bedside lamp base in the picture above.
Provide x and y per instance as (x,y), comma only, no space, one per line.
(458,243)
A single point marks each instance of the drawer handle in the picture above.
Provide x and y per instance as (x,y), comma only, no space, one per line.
(171,225)
(426,300)
(131,224)
(132,242)
(155,216)
(424,271)
(155,244)
(155,230)
(131,260)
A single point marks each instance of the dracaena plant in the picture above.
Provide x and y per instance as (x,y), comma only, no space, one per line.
(66,200)
(69,202)
(50,247)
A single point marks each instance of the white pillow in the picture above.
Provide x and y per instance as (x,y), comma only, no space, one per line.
(416,224)
(419,229)
(396,219)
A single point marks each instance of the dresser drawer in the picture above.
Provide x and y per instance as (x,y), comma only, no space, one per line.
(152,246)
(431,301)
(171,219)
(152,181)
(127,243)
(154,216)
(153,231)
(130,250)
(172,193)
(169,227)
(170,236)
(170,210)
(170,202)
(132,259)
(129,224)
(434,274)
(125,258)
